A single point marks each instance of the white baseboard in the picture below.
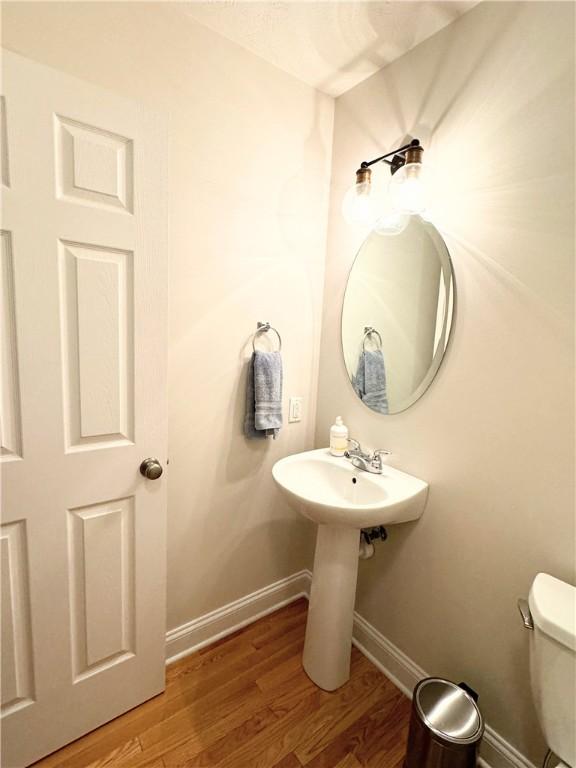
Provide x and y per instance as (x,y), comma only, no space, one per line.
(495,751)
(224,621)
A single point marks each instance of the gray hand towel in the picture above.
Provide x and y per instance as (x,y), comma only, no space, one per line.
(264,395)
(370,380)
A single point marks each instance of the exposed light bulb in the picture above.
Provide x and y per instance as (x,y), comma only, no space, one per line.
(359,205)
(408,192)
(408,188)
(392,223)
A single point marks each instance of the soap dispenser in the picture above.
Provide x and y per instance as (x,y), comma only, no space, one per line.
(338,437)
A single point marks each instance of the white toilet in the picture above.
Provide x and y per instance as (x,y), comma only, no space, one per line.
(552,616)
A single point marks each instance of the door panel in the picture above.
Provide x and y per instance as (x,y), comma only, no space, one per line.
(101,540)
(10,447)
(84,284)
(93,166)
(4,165)
(17,671)
(97,300)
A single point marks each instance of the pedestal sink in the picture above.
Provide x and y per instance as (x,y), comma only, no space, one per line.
(341,499)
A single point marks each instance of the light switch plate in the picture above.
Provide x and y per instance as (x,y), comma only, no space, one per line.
(295,409)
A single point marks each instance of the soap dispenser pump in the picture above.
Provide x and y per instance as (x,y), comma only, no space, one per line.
(338,437)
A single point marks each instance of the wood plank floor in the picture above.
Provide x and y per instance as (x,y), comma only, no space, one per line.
(245,702)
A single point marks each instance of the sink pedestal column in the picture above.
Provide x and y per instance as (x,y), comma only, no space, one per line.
(328,641)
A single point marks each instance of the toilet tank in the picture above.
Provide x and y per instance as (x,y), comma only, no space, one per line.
(553,662)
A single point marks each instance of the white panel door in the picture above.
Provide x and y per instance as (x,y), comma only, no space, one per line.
(84,284)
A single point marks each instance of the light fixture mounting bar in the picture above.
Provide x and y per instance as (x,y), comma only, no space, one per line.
(400,150)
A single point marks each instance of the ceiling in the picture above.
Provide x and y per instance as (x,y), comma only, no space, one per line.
(330,45)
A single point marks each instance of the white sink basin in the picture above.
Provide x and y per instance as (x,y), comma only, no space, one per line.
(334,492)
(341,499)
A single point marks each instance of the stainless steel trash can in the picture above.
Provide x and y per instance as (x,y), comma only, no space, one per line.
(445,728)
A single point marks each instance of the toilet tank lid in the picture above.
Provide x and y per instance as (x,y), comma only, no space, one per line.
(553,608)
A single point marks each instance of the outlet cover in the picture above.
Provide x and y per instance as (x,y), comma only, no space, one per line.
(295,409)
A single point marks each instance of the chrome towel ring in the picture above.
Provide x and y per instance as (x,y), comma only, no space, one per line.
(264,328)
(369,331)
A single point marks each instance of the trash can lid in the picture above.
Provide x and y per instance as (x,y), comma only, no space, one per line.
(448,710)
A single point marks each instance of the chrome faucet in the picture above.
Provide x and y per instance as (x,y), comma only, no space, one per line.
(365,461)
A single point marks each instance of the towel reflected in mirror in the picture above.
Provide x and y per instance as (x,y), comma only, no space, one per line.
(369,381)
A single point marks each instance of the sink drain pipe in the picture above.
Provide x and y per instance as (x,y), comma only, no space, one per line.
(367,537)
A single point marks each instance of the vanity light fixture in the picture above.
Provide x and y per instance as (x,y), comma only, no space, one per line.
(406,189)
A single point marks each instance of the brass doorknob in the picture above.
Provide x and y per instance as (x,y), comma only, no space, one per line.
(151,469)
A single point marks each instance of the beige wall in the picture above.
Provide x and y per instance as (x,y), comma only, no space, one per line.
(494,434)
(249,177)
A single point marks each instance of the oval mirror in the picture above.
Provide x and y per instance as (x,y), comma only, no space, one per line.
(397,315)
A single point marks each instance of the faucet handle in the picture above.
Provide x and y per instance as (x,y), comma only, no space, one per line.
(377,457)
(352,447)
